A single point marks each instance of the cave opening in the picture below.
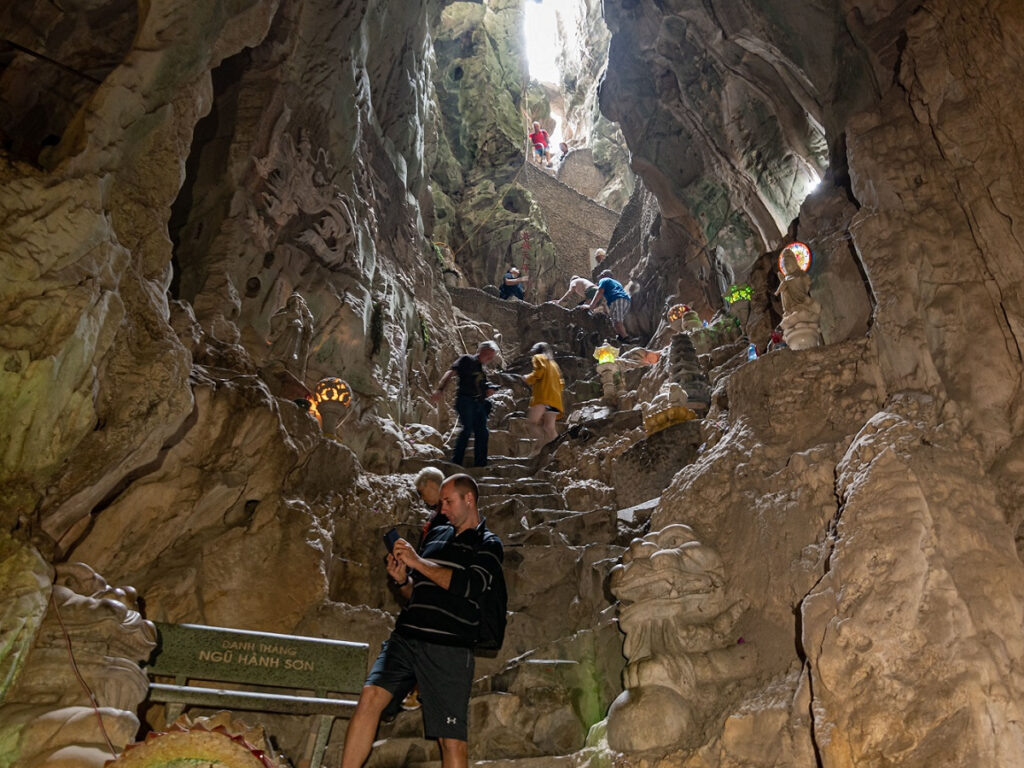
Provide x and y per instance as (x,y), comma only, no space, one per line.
(554,43)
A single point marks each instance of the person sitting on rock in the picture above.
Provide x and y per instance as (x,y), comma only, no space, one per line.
(580,290)
(511,285)
(539,139)
(546,400)
(618,301)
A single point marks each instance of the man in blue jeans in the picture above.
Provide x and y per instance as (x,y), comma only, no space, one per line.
(471,401)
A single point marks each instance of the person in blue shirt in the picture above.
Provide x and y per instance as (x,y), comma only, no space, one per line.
(612,292)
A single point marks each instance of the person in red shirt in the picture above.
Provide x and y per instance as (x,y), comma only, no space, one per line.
(539,139)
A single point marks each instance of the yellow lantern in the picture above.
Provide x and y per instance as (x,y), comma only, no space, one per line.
(606,353)
(676,311)
(331,400)
(332,390)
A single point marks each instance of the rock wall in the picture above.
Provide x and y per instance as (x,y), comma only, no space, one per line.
(914,228)
(234,153)
(582,59)
(859,501)
(480,208)
(579,172)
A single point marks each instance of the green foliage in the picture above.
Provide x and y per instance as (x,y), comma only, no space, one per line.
(438,254)
(424,333)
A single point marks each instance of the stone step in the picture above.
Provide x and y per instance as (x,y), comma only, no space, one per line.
(502,442)
(522,485)
(522,501)
(535,537)
(579,528)
(638,514)
(503,467)
(528,674)
(414,464)
(542,516)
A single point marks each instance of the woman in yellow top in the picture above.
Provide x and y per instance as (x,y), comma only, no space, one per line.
(546,402)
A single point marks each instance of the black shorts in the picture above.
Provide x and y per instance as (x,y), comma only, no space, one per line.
(444,674)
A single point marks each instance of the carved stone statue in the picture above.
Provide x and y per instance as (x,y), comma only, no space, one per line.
(299,191)
(47,717)
(801,314)
(678,620)
(291,331)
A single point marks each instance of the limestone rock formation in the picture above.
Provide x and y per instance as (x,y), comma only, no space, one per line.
(173,172)
(91,641)
(678,621)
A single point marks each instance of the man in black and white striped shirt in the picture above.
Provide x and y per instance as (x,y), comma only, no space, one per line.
(432,645)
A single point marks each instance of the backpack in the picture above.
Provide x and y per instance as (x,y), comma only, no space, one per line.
(493,616)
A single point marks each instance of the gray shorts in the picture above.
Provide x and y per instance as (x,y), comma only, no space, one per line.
(444,674)
(617,310)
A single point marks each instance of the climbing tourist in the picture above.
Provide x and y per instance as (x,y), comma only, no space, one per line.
(599,256)
(512,284)
(539,139)
(563,148)
(432,643)
(580,290)
(471,401)
(618,301)
(546,400)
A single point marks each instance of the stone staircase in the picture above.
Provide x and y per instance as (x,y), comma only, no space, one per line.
(576,223)
(534,703)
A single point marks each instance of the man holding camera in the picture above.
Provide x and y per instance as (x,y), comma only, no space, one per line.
(471,401)
(432,644)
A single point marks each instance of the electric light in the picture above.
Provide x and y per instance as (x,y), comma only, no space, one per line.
(676,311)
(801,252)
(332,390)
(606,353)
(739,293)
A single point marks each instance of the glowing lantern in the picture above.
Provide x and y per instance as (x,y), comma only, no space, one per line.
(606,353)
(802,253)
(331,400)
(607,358)
(333,390)
(675,312)
(739,293)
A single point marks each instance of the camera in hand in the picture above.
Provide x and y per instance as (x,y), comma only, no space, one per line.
(390,538)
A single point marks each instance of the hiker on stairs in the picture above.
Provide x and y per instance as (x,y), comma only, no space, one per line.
(512,285)
(611,291)
(580,290)
(546,401)
(472,401)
